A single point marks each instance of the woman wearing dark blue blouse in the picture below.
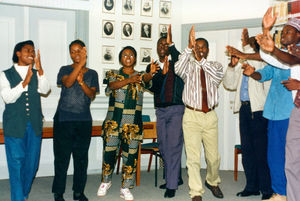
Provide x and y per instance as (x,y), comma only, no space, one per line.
(72,127)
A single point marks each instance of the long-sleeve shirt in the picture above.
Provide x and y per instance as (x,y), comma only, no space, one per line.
(188,68)
(11,95)
(295,69)
(279,102)
(257,91)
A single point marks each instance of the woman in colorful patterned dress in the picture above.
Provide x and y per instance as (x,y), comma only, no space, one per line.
(123,126)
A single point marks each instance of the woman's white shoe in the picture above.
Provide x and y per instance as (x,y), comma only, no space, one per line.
(126,194)
(103,188)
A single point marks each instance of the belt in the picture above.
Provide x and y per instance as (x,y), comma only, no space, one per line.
(198,110)
(245,102)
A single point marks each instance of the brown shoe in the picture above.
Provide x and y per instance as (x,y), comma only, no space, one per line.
(197,198)
(216,191)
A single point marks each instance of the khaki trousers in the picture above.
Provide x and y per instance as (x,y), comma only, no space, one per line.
(201,128)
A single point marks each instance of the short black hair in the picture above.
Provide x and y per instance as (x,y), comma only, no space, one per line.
(19,47)
(256,46)
(127,48)
(205,41)
(77,41)
(163,37)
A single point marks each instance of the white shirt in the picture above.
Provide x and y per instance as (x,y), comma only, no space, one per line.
(295,69)
(11,95)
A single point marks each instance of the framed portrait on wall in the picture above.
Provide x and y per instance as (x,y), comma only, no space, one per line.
(165,9)
(128,7)
(146,8)
(108,54)
(108,6)
(108,29)
(146,31)
(145,55)
(162,30)
(127,30)
(104,71)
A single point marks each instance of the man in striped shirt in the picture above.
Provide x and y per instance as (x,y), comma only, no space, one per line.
(200,122)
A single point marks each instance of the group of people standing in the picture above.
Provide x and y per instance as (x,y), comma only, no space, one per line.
(185,92)
(268,114)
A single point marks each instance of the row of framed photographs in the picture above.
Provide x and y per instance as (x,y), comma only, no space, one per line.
(108,55)
(128,7)
(127,30)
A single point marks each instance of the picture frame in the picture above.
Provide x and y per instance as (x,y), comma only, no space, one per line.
(146,8)
(165,8)
(108,54)
(163,30)
(108,6)
(127,30)
(145,55)
(128,7)
(104,71)
(146,31)
(108,29)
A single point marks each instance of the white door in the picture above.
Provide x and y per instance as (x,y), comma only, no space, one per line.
(51,31)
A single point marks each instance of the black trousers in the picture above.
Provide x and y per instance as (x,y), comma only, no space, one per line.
(253,131)
(71,137)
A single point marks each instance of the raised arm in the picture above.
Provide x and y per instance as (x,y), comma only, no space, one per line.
(182,65)
(250,71)
(245,56)
(172,49)
(267,44)
(43,83)
(89,91)
(68,80)
(268,20)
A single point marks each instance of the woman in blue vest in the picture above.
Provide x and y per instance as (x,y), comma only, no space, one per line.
(20,88)
(72,127)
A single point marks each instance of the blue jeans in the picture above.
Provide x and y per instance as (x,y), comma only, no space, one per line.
(277,131)
(22,160)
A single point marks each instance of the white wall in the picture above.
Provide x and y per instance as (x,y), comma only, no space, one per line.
(100,104)
(183,12)
(220,10)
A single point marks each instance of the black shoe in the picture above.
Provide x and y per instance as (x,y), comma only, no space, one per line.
(79,197)
(266,196)
(246,193)
(169,193)
(164,186)
(216,191)
(58,197)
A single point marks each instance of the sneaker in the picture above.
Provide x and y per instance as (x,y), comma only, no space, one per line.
(126,194)
(103,188)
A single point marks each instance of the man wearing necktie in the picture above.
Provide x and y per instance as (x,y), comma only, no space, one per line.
(200,122)
(167,88)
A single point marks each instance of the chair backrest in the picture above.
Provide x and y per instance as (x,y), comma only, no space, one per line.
(150,133)
(149,128)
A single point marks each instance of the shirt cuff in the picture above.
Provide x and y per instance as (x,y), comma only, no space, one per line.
(188,50)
